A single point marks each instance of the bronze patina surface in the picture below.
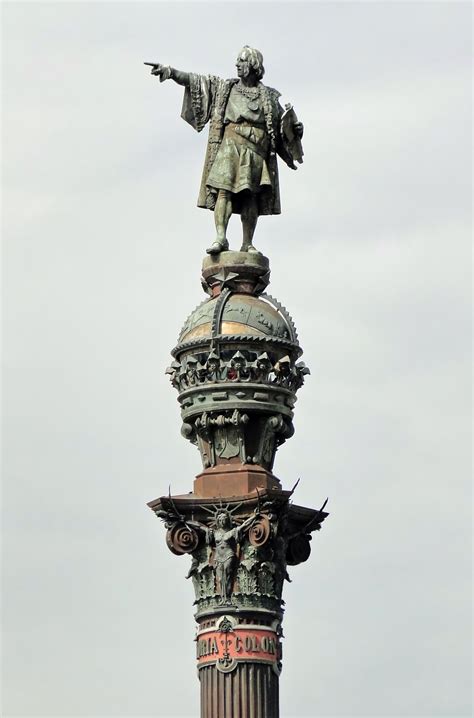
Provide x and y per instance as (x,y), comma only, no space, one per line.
(248,129)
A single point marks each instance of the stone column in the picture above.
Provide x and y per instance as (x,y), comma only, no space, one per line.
(237,372)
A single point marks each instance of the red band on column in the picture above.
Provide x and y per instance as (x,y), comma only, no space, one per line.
(239,644)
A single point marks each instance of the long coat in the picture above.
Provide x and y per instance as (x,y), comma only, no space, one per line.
(204,101)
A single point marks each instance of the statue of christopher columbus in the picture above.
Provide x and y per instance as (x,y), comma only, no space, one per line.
(248,128)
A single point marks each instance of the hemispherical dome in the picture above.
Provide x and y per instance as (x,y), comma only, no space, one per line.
(239,314)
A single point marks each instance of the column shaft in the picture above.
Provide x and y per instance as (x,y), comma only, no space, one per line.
(250,691)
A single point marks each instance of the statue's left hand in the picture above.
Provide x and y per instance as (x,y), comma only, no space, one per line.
(299,129)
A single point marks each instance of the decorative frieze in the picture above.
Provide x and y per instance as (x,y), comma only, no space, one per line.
(245,365)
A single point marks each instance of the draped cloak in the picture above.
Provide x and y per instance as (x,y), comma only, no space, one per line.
(204,101)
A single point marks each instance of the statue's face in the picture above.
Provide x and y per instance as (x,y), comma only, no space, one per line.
(242,64)
(222,521)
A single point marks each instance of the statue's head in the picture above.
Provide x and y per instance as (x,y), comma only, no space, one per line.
(263,362)
(213,362)
(223,520)
(283,365)
(238,361)
(250,60)
(191,367)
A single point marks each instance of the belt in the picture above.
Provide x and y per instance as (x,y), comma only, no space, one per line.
(259,125)
(258,145)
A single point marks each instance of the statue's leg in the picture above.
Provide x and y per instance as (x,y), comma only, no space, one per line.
(222,213)
(223,576)
(249,217)
(229,577)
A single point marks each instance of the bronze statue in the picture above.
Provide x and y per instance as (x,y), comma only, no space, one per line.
(248,128)
(225,536)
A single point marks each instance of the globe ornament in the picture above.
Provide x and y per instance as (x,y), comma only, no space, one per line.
(236,371)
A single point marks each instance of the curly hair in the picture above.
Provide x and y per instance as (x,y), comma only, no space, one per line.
(255,59)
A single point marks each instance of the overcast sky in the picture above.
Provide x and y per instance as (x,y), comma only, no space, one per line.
(371,256)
